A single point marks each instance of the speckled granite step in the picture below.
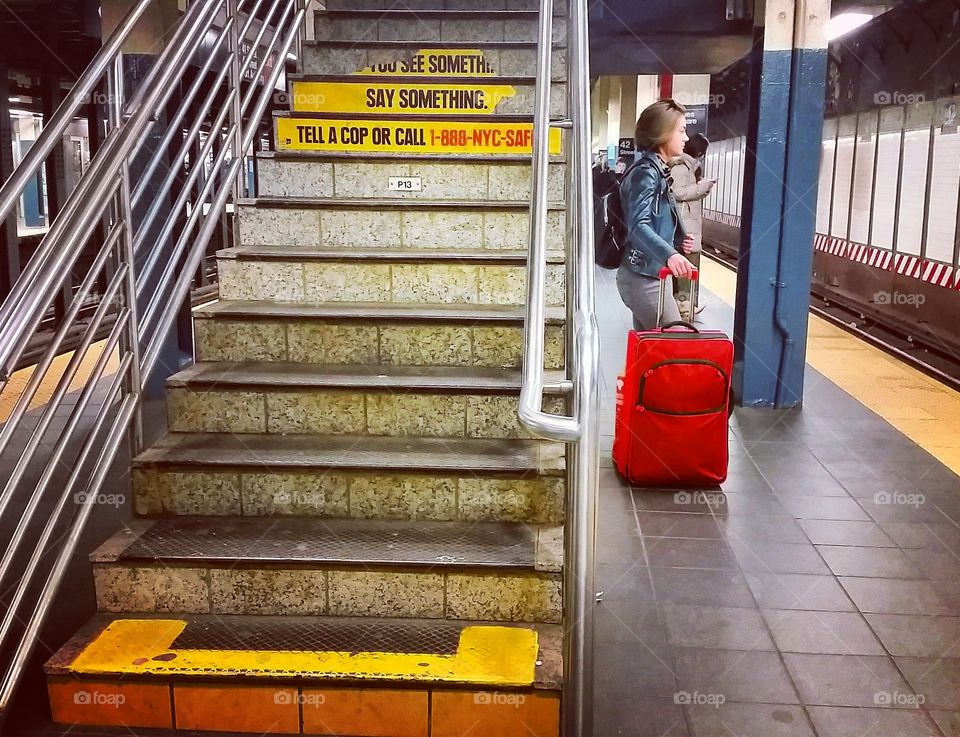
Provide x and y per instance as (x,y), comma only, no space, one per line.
(315,276)
(370,334)
(279,398)
(433,26)
(295,566)
(392,223)
(472,480)
(313,174)
(503,58)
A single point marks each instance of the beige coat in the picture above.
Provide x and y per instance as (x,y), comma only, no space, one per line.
(689,194)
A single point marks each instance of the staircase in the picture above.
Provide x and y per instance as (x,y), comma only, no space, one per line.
(346,530)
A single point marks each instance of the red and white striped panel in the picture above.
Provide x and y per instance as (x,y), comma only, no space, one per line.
(933,272)
(722,217)
(880,258)
(937,273)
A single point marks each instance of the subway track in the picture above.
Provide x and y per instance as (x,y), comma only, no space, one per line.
(895,338)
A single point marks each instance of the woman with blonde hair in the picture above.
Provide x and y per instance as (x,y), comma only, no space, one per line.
(655,236)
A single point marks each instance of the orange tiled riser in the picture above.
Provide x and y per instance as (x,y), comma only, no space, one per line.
(499,713)
(109,703)
(365,712)
(237,708)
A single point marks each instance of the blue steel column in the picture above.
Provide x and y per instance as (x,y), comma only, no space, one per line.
(780,200)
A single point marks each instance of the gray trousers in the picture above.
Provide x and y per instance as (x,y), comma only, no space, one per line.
(642,294)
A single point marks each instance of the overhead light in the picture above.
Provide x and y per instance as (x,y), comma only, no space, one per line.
(841,25)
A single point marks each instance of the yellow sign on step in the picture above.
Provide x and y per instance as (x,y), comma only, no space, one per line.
(486,655)
(413,137)
(435,62)
(397,97)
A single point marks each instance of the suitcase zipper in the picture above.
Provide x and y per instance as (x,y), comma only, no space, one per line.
(685,361)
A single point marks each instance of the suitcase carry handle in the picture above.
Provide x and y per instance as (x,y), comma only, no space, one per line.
(664,273)
(681,324)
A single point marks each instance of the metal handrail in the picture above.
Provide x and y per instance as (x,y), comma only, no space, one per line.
(54,128)
(104,197)
(581,430)
(23,308)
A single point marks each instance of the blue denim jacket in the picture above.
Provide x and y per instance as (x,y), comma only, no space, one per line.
(654,232)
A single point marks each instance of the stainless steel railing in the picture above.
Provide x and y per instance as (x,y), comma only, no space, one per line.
(146,268)
(581,430)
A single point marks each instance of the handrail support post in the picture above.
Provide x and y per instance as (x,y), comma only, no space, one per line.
(236,110)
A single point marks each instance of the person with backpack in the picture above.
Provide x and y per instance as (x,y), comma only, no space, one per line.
(689,189)
(653,234)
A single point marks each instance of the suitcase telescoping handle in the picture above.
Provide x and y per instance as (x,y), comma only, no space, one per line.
(664,273)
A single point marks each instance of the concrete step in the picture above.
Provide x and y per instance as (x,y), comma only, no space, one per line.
(280,398)
(421,276)
(316,675)
(347,568)
(363,333)
(391,223)
(470,480)
(466,59)
(432,26)
(442,178)
(440,96)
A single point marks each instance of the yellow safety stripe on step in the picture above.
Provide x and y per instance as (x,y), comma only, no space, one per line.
(397,97)
(486,655)
(439,62)
(413,137)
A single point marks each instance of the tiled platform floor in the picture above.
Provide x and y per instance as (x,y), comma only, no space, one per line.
(817,593)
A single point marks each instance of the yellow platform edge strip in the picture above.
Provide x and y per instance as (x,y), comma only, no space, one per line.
(485,656)
(920,407)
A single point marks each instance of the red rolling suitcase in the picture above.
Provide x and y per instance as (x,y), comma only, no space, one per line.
(672,402)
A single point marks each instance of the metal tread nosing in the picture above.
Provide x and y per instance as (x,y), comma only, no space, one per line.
(303,253)
(417,45)
(369,157)
(284,374)
(254,541)
(389,204)
(381,311)
(406,14)
(369,453)
(419,79)
(421,117)
(483,655)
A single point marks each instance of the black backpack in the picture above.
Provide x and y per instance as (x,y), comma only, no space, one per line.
(610,231)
